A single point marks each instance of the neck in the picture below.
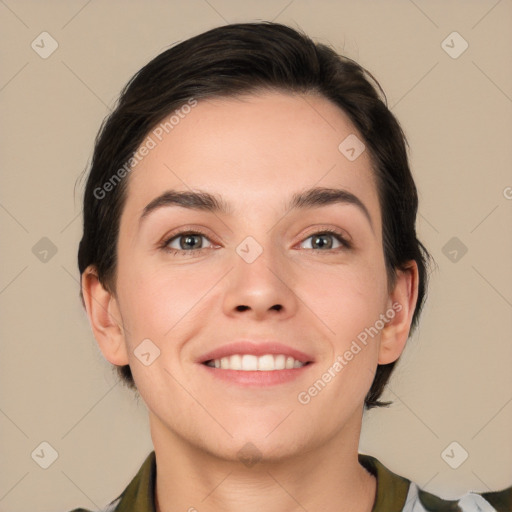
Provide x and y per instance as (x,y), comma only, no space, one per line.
(328,478)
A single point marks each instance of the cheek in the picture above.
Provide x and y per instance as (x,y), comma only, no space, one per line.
(345,299)
(160,301)
(156,298)
(347,307)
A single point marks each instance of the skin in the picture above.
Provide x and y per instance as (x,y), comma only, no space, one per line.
(254,151)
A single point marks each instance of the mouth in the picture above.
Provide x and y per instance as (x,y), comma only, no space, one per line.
(253,363)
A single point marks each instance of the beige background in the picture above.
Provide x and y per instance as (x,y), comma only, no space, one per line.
(454,382)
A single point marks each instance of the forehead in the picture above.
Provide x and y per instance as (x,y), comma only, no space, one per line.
(252,150)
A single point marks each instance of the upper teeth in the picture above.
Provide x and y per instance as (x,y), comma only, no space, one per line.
(247,362)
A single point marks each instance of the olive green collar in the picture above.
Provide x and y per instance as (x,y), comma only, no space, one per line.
(392,489)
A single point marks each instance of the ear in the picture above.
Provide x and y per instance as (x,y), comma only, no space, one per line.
(105,318)
(402,301)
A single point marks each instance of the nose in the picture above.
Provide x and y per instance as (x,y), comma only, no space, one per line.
(261,288)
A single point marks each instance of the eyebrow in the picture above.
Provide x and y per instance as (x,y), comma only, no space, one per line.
(205,201)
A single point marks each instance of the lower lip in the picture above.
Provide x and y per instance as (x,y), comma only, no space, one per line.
(257,378)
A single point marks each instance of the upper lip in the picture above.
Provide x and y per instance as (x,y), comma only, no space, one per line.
(257,349)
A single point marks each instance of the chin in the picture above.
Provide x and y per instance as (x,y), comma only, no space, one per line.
(258,445)
(253,450)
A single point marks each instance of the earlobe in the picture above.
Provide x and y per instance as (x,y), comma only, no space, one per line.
(104,317)
(402,301)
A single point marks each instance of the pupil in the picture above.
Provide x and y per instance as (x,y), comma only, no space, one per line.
(189,239)
(320,237)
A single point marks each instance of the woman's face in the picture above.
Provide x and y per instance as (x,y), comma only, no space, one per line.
(263,271)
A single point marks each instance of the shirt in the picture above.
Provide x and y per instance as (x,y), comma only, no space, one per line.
(394,493)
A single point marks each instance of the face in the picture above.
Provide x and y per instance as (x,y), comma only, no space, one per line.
(263,276)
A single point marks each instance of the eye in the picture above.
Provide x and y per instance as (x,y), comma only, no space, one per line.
(186,242)
(326,240)
(190,242)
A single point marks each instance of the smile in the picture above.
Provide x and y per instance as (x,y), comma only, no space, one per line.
(251,363)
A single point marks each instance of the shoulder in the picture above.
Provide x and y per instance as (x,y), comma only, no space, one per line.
(111,507)
(138,496)
(394,492)
(499,501)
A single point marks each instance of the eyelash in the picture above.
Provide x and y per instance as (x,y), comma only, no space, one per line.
(164,246)
(337,235)
(181,252)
